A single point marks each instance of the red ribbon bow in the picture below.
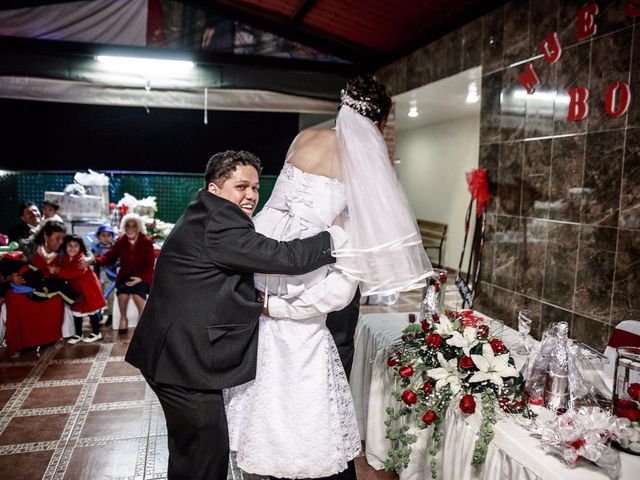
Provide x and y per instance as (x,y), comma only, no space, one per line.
(479,188)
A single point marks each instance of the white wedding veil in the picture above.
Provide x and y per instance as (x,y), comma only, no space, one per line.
(386,254)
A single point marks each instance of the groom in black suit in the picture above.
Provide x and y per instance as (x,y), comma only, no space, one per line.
(198,333)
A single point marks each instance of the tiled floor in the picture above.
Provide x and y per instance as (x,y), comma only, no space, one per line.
(80,412)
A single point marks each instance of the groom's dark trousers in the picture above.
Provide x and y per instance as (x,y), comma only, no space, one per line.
(197,429)
(198,332)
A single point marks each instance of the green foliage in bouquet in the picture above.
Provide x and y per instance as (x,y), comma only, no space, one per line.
(449,357)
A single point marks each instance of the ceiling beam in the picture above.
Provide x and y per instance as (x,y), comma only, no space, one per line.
(48,59)
(301,11)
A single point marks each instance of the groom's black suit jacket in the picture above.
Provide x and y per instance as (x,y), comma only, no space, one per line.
(199,326)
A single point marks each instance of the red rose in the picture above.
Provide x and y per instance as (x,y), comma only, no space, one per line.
(497,345)
(392,362)
(437,287)
(406,371)
(466,362)
(409,397)
(425,325)
(443,277)
(434,340)
(633,414)
(483,331)
(578,443)
(468,404)
(634,391)
(436,317)
(427,388)
(429,417)
(412,318)
(404,338)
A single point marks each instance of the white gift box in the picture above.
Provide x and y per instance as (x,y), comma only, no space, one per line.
(77,207)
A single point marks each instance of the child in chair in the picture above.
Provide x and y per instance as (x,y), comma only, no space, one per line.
(101,242)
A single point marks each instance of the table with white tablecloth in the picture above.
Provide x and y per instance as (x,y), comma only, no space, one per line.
(513,453)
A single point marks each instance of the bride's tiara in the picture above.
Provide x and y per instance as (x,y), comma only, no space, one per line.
(363,107)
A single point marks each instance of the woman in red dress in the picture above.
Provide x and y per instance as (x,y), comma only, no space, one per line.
(85,282)
(137,259)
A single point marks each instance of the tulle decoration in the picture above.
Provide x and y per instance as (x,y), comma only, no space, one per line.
(479,188)
(386,254)
(585,433)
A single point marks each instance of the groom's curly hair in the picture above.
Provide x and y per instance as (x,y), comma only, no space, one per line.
(221,165)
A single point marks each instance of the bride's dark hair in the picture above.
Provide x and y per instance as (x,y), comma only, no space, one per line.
(368,97)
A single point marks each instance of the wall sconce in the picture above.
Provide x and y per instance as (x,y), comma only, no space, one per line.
(472,93)
(413,109)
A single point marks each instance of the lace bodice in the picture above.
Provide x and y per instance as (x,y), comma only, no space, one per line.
(301,205)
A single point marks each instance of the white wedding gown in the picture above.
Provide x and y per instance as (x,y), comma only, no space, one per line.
(296,419)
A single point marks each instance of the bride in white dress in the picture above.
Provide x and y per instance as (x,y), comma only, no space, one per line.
(296,419)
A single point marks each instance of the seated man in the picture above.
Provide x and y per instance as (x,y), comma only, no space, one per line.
(29,222)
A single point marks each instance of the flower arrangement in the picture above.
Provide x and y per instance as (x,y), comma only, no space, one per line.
(450,358)
(157,229)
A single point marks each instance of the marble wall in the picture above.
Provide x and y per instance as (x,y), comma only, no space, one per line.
(563,227)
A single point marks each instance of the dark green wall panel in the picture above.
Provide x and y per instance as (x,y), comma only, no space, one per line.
(172,191)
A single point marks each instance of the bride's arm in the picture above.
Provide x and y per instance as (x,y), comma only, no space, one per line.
(333,293)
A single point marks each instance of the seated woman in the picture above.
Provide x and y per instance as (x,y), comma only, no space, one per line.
(134,249)
(48,240)
(37,323)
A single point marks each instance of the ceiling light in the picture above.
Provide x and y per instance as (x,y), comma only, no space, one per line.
(413,109)
(145,66)
(472,93)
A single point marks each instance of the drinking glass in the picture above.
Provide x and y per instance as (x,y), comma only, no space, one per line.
(524,327)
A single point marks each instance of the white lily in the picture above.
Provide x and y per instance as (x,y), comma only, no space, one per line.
(492,367)
(444,328)
(465,340)
(447,374)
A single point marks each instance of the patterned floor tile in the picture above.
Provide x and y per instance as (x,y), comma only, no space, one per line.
(118,369)
(66,371)
(40,428)
(5,396)
(79,350)
(13,374)
(120,392)
(114,460)
(52,396)
(25,466)
(125,422)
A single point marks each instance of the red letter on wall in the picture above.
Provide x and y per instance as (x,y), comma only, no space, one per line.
(586,24)
(578,108)
(551,48)
(624,99)
(529,79)
(632,8)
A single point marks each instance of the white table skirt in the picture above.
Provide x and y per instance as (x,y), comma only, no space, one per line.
(513,453)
